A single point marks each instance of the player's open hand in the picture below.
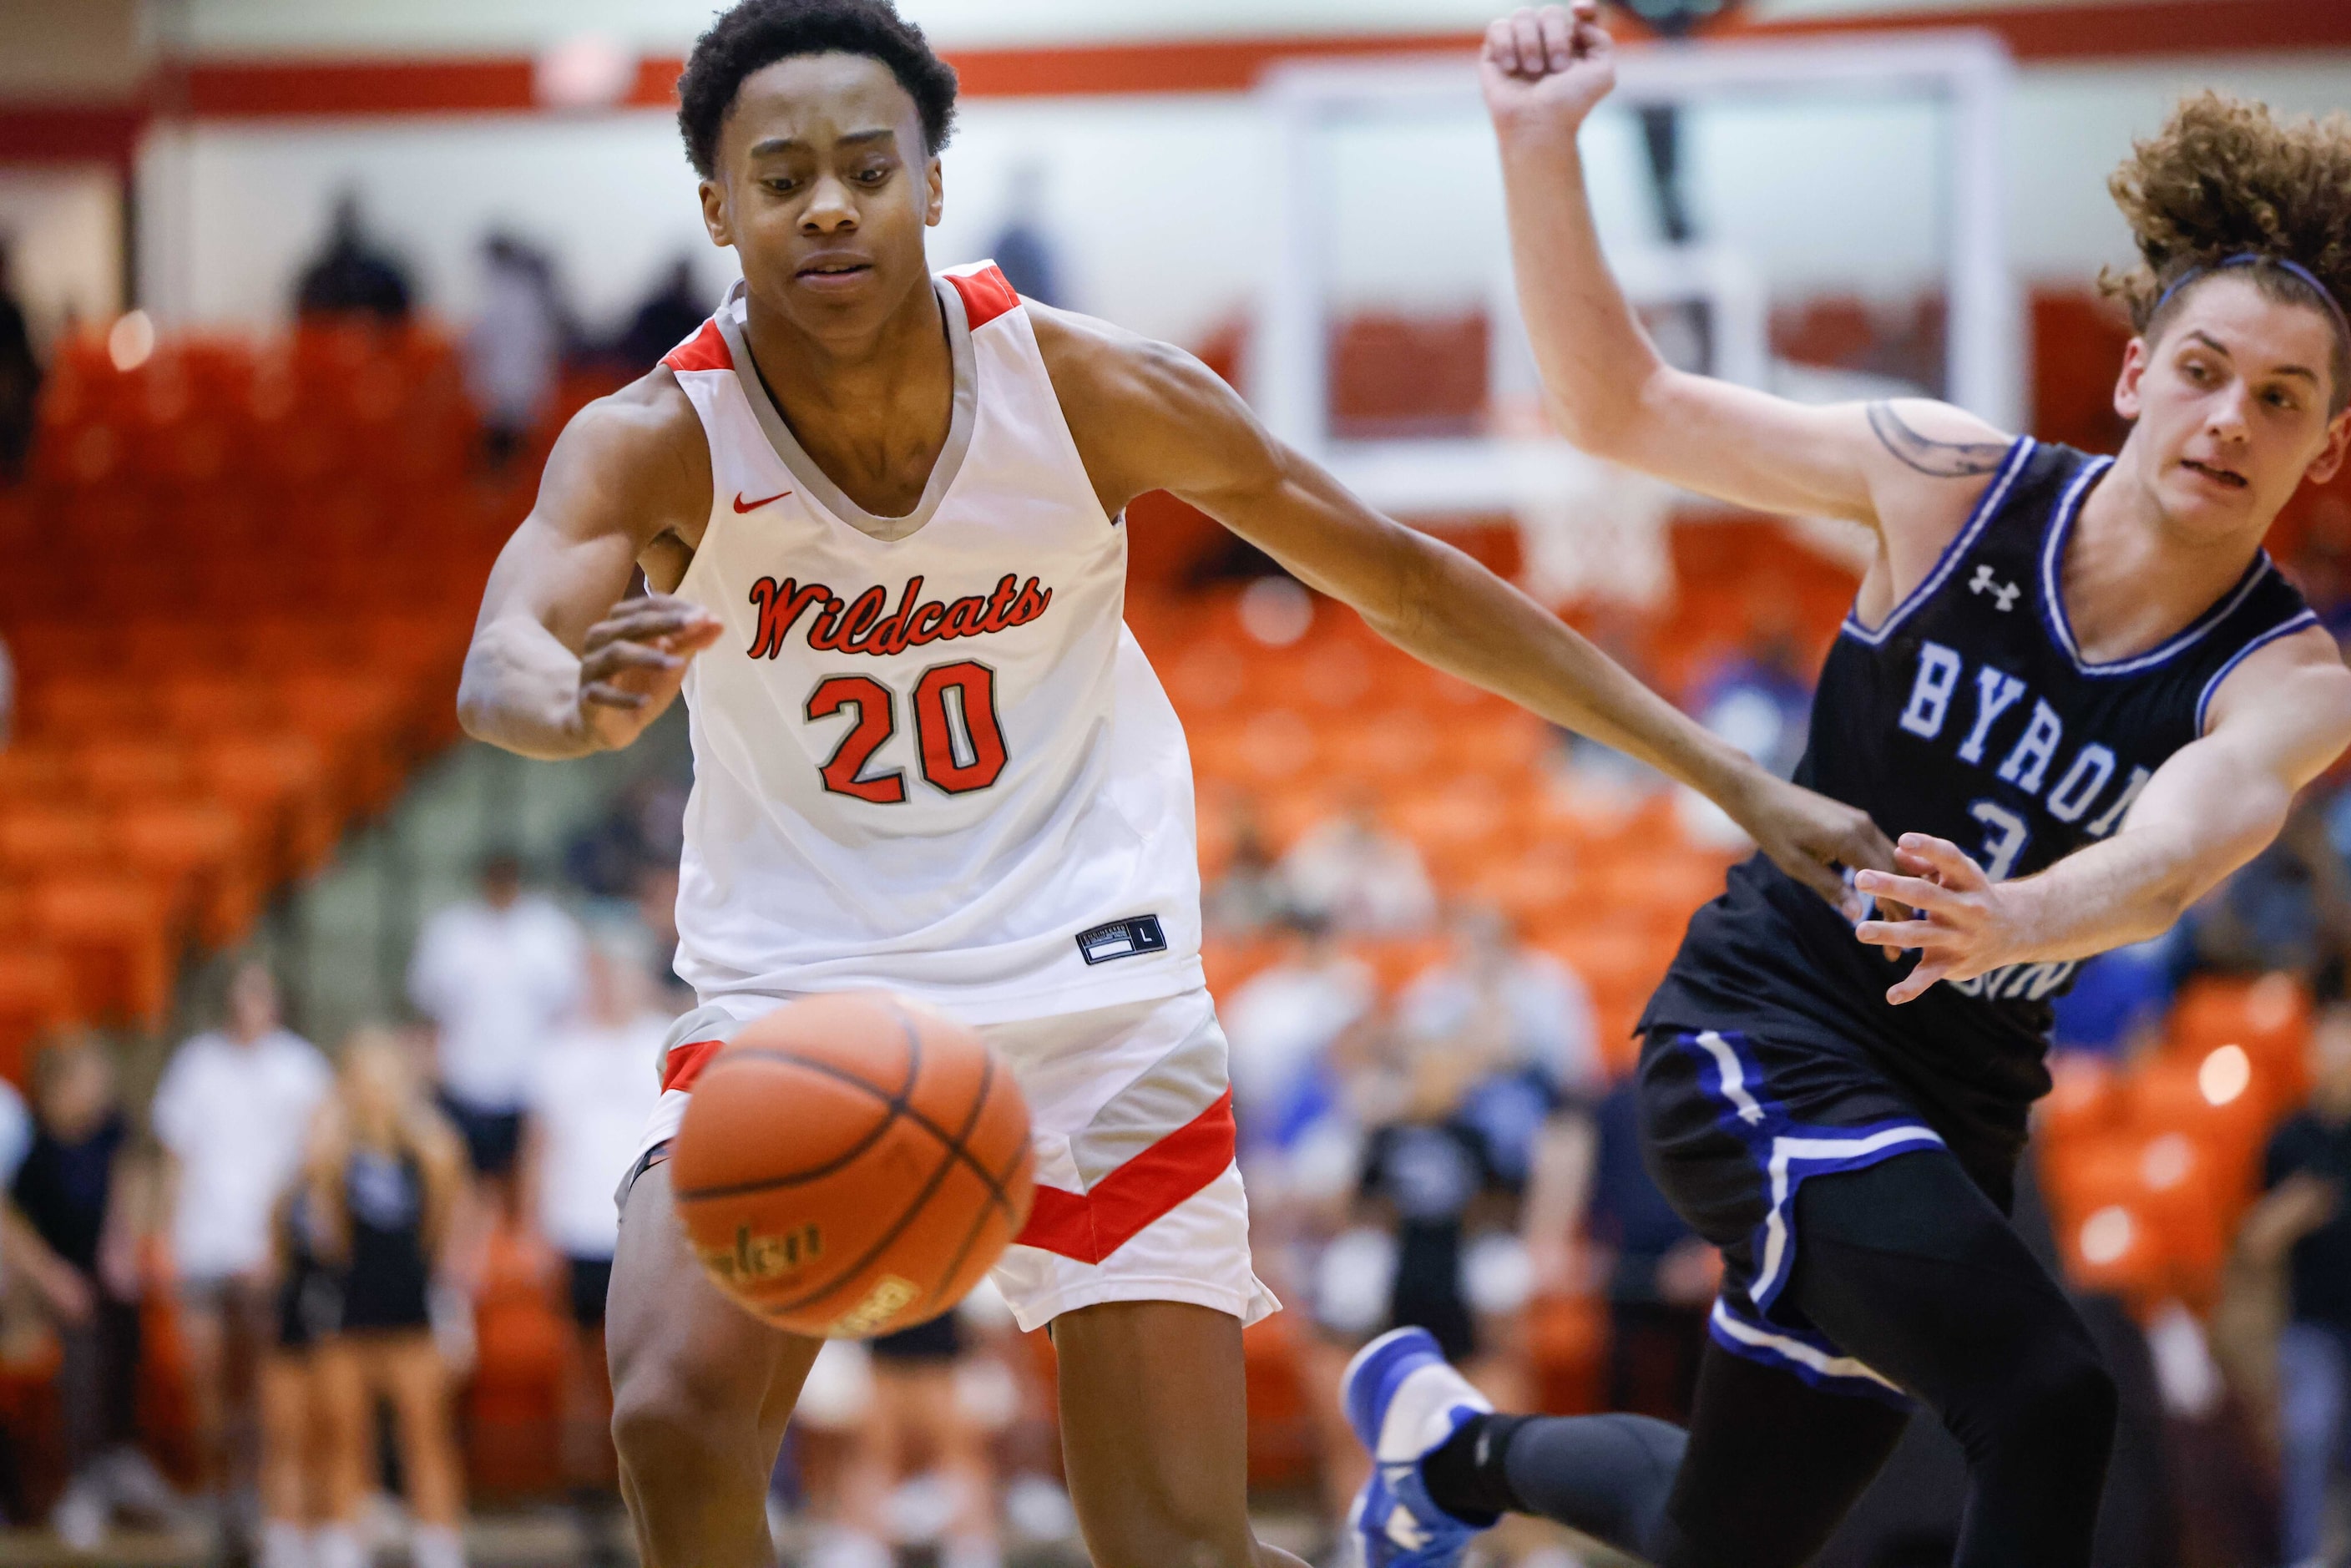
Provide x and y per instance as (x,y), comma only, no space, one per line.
(1961,922)
(632,662)
(1810,836)
(1547,67)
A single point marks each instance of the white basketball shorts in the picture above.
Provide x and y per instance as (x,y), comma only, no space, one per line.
(1138,1199)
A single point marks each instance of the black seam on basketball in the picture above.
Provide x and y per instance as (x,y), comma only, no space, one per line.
(961,1151)
(955,1265)
(778,1053)
(797,1178)
(955,1152)
(882,1244)
(897,1103)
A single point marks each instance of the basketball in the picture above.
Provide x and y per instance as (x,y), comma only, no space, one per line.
(851,1165)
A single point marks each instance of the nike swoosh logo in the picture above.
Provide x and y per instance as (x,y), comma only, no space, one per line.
(742,506)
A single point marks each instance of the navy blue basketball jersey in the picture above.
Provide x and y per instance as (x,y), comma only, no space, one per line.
(1970,714)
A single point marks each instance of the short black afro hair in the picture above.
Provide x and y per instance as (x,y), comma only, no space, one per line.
(758,32)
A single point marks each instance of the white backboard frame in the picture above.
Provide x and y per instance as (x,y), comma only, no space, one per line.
(1287,371)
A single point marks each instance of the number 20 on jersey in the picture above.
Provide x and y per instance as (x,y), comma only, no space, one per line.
(959,743)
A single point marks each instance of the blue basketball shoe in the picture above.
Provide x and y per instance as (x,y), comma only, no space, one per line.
(1403,1400)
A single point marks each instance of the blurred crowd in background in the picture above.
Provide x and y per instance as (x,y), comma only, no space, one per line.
(324,1229)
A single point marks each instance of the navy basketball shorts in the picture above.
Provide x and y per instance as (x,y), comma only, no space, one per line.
(1731,1126)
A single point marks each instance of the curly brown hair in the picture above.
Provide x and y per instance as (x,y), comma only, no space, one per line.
(2222,179)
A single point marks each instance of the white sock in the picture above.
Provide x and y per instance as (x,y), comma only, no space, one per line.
(436,1546)
(337,1546)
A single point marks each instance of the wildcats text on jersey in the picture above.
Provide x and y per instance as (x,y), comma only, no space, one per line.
(859,625)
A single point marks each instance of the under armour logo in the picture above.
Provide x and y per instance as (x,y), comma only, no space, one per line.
(2003,594)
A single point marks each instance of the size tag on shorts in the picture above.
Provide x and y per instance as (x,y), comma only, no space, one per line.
(1123,939)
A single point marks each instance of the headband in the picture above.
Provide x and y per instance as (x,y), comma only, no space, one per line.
(2256,258)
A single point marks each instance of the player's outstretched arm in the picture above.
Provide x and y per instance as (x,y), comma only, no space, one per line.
(2280,720)
(1148,417)
(562,663)
(1917,463)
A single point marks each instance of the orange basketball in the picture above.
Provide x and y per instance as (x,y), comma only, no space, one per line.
(851,1165)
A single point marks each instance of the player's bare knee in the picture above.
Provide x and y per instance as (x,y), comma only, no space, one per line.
(670,1416)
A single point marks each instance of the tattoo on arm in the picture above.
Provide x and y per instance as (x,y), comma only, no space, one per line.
(1937,459)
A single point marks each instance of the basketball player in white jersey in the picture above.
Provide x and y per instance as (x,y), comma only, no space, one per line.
(880,515)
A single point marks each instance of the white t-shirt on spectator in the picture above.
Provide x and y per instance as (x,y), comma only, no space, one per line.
(1282,1020)
(1550,1016)
(1360,882)
(236,1118)
(498,983)
(590,1098)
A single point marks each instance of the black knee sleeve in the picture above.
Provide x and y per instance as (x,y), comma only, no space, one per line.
(1607,1476)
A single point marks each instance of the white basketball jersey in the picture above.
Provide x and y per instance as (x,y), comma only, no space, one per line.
(927,754)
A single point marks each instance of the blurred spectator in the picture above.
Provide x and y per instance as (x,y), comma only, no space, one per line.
(516,349)
(352,275)
(295,1486)
(1661,1277)
(1024,251)
(2321,567)
(930,1399)
(496,975)
(8,694)
(1248,897)
(231,1113)
(594,1088)
(673,312)
(1280,1028)
(644,825)
(2120,997)
(82,1193)
(20,385)
(2288,908)
(2303,1220)
(1353,873)
(383,1178)
(1760,700)
(1424,1170)
(1519,1022)
(656,906)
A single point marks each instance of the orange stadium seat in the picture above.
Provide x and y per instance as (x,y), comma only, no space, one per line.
(114,933)
(83,705)
(1456,823)
(59,836)
(199,845)
(1283,1444)
(2085,1100)
(1396,961)
(2223,1111)
(2268,1018)
(34,772)
(1289,813)
(281,776)
(1230,962)
(35,995)
(1567,1345)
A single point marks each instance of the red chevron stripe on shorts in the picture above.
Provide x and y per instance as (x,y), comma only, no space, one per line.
(1090,1226)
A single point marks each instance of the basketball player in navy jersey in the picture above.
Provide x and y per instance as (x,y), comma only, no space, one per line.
(2080,693)
(845,371)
